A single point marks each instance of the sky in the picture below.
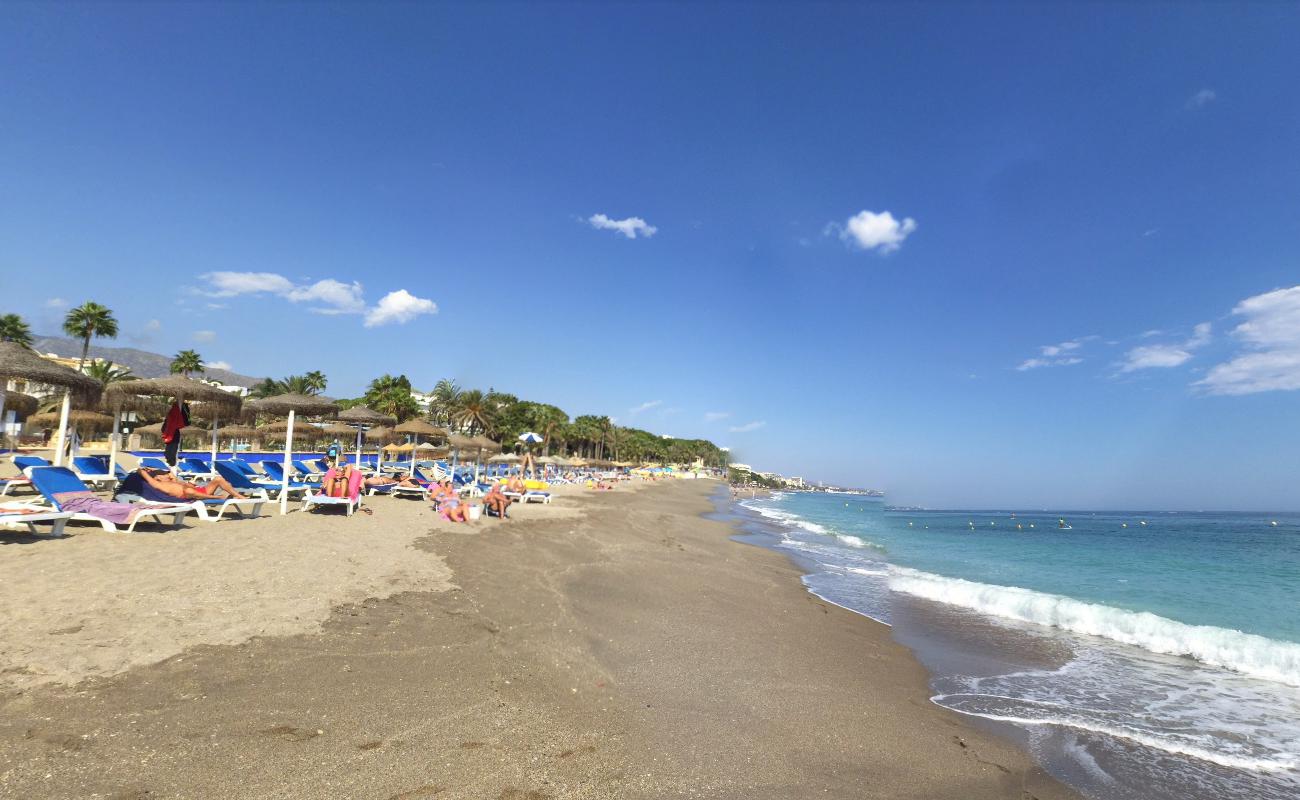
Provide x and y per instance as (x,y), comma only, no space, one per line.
(977,255)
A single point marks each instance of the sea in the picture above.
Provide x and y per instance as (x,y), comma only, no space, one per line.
(1135,654)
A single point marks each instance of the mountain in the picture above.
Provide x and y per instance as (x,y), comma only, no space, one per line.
(142,363)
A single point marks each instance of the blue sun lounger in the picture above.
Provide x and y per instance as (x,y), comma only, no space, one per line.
(51,481)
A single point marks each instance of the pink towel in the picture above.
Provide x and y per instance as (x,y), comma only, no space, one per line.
(354,482)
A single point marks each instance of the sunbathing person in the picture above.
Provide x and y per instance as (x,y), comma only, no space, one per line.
(401,479)
(448,503)
(516,485)
(496,501)
(165,486)
(337,483)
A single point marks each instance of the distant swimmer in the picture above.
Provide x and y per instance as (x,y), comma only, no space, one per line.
(1143,523)
(1123,524)
(1019,527)
(1031,524)
(910,524)
(1060,523)
(1273,523)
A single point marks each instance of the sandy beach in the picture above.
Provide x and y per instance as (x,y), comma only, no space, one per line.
(613,644)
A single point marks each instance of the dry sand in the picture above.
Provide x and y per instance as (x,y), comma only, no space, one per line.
(630,649)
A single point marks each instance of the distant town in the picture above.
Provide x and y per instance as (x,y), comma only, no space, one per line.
(745,475)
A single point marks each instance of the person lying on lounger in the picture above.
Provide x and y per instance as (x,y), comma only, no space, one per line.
(401,479)
(496,502)
(448,503)
(337,485)
(163,483)
(516,485)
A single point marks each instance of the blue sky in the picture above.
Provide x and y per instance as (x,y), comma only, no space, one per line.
(979,256)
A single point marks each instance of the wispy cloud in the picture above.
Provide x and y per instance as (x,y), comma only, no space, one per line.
(867,230)
(56,302)
(204,336)
(1202,99)
(747,427)
(1270,337)
(399,307)
(146,333)
(631,227)
(1156,356)
(714,416)
(646,406)
(327,296)
(218,365)
(1056,355)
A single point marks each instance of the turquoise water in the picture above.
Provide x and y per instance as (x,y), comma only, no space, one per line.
(1184,674)
(1227,570)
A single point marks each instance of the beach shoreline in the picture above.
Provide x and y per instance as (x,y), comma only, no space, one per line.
(621,645)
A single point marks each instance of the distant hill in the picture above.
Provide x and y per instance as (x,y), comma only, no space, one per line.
(142,363)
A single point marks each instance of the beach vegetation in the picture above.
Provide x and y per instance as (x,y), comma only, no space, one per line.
(14,329)
(292,384)
(88,321)
(107,372)
(186,362)
(389,394)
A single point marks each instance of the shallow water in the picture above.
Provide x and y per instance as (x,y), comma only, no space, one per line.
(1179,673)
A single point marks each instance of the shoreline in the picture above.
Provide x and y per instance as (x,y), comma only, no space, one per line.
(632,649)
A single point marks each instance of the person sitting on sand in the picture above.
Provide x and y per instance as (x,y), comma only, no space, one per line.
(495,501)
(516,485)
(166,486)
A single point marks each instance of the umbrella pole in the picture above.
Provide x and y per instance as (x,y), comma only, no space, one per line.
(215,425)
(112,441)
(477,460)
(4,428)
(288,456)
(454,453)
(358,447)
(63,428)
(414,444)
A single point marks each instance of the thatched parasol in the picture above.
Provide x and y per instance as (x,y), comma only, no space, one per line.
(272,428)
(17,363)
(213,402)
(418,428)
(337,429)
(504,458)
(240,431)
(289,405)
(366,416)
(81,420)
(24,404)
(381,434)
(155,430)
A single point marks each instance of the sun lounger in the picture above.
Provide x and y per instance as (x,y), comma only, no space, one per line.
(244,485)
(530,496)
(93,471)
(350,503)
(28,514)
(210,509)
(191,468)
(306,474)
(155,463)
(66,493)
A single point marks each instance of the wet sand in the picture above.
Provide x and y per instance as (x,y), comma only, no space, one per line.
(630,650)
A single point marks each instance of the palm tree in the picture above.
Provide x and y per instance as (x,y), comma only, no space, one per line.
(317,379)
(446,401)
(604,431)
(300,384)
(14,329)
(267,387)
(87,321)
(551,421)
(473,411)
(392,395)
(107,372)
(185,362)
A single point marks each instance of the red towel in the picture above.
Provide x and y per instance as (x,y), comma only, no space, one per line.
(177,418)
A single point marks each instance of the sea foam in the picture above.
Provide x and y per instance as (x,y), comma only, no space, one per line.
(1247,653)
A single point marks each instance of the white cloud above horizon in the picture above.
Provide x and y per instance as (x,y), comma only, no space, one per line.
(204,336)
(327,296)
(868,230)
(218,365)
(646,406)
(714,416)
(1202,99)
(56,302)
(399,307)
(1270,337)
(1056,355)
(631,227)
(1157,356)
(747,427)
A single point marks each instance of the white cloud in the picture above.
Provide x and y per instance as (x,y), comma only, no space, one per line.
(399,307)
(646,406)
(146,333)
(1202,98)
(1056,355)
(229,284)
(217,306)
(630,227)
(337,297)
(867,230)
(56,302)
(1270,334)
(1158,356)
(204,336)
(747,427)
(714,416)
(218,365)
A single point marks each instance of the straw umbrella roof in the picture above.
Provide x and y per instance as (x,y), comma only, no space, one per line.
(88,420)
(274,427)
(380,434)
(420,428)
(240,431)
(156,429)
(308,405)
(24,404)
(337,429)
(547,460)
(461,442)
(426,446)
(577,461)
(364,415)
(505,458)
(214,398)
(400,448)
(19,363)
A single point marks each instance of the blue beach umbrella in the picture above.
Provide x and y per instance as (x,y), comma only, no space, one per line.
(530,438)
